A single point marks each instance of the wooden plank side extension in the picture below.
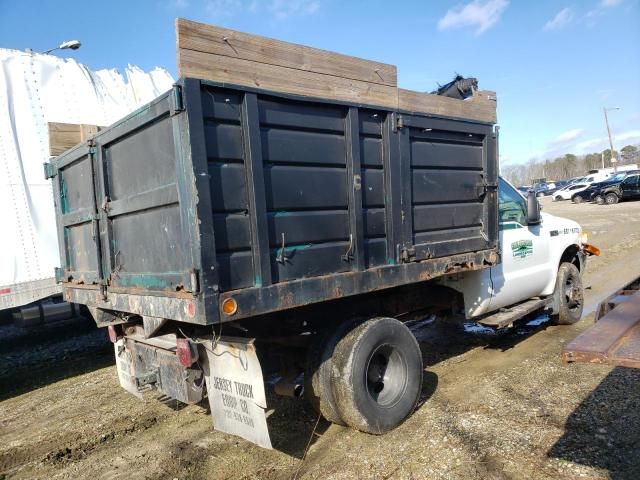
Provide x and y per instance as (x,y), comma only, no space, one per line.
(227,56)
(230,43)
(247,73)
(481,107)
(63,136)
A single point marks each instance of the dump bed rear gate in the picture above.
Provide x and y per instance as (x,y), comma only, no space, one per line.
(214,191)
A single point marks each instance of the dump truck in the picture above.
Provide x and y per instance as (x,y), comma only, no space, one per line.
(238,226)
(614,339)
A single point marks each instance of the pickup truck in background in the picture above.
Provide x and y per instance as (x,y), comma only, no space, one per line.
(224,229)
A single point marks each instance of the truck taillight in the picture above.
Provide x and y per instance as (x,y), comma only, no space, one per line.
(186,351)
(115,333)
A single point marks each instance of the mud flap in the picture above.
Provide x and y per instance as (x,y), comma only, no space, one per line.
(124,365)
(236,389)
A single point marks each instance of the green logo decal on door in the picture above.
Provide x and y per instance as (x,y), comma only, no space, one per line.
(522,248)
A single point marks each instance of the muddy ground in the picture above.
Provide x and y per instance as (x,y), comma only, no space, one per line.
(493,405)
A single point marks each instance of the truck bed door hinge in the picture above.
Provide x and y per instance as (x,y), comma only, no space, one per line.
(50,170)
(396,121)
(177,104)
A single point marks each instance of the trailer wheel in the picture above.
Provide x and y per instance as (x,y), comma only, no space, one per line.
(317,375)
(611,198)
(569,295)
(377,375)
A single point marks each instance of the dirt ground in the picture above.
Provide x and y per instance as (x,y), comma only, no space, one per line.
(493,406)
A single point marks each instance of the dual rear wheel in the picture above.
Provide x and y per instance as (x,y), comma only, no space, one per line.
(367,375)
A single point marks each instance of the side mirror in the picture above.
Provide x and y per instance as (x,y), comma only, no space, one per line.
(533,209)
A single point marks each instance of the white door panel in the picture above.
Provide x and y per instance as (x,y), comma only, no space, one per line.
(524,270)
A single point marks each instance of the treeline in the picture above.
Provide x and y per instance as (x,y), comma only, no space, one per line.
(567,166)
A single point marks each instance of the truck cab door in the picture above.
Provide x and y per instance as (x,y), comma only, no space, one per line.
(524,270)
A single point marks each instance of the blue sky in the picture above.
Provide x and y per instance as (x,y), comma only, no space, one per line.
(554,64)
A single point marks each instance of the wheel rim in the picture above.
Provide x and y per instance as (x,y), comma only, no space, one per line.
(610,200)
(386,375)
(573,294)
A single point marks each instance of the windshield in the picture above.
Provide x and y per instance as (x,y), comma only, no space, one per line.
(617,177)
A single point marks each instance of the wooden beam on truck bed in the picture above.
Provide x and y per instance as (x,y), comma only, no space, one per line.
(230,43)
(212,53)
(481,107)
(63,136)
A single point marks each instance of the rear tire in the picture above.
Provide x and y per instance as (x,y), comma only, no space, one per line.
(568,295)
(577,199)
(317,376)
(377,375)
(611,198)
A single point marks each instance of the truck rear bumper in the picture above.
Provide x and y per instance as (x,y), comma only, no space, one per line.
(143,365)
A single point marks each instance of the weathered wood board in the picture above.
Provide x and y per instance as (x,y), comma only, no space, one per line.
(481,107)
(230,43)
(283,79)
(63,136)
(227,56)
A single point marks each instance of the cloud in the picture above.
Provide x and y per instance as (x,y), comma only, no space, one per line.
(561,20)
(482,14)
(601,143)
(610,3)
(567,137)
(592,15)
(278,9)
(283,9)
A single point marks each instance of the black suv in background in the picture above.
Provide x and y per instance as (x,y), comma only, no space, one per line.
(627,189)
(591,193)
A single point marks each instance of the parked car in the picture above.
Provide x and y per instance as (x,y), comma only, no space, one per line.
(544,189)
(524,190)
(567,192)
(587,194)
(627,189)
(599,195)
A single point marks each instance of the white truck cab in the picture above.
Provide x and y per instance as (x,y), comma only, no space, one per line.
(533,248)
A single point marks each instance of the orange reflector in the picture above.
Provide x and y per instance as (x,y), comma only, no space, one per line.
(591,249)
(229,306)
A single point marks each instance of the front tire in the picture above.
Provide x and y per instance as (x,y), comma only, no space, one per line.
(568,295)
(377,375)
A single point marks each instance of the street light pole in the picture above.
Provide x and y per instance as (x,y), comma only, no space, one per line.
(606,121)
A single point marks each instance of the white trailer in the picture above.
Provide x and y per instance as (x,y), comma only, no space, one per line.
(36,89)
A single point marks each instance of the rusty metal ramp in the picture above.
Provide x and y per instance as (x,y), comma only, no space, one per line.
(613,340)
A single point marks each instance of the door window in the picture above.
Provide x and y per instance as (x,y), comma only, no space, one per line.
(511,205)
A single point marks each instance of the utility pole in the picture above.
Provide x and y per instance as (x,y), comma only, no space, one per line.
(606,121)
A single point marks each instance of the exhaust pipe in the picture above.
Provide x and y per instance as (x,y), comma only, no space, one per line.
(289,388)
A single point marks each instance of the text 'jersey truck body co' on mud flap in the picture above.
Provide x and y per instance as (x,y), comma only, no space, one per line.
(225,232)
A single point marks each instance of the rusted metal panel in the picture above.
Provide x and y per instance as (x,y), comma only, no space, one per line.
(277,200)
(615,337)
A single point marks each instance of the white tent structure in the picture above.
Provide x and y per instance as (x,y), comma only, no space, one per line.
(36,89)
